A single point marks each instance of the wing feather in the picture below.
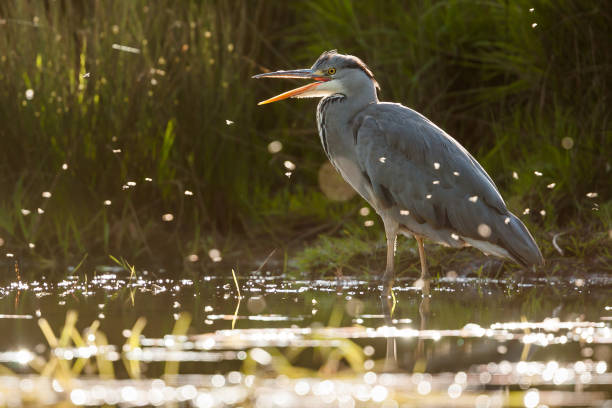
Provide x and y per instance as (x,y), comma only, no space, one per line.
(416,166)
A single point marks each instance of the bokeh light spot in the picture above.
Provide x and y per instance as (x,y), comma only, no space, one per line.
(567,143)
(484,230)
(275,147)
(215,255)
(333,185)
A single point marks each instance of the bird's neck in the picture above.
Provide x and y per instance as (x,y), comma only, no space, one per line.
(361,97)
(334,115)
(352,102)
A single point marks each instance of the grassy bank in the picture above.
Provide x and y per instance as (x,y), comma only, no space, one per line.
(169,125)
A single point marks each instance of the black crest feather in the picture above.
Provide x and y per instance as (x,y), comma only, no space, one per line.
(347,61)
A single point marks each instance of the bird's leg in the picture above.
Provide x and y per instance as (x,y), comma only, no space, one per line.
(424,271)
(388,277)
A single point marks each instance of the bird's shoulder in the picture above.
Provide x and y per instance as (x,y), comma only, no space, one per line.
(403,127)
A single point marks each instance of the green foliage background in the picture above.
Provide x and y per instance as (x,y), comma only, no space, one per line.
(509,79)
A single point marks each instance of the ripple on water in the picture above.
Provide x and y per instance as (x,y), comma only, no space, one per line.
(539,337)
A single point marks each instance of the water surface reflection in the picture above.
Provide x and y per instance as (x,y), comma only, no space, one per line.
(138,339)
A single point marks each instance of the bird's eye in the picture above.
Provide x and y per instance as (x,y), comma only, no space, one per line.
(331,71)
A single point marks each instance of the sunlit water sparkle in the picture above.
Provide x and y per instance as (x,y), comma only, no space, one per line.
(469,342)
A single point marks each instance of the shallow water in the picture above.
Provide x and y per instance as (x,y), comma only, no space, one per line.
(292,343)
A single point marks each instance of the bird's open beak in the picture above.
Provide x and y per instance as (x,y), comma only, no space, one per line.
(319,77)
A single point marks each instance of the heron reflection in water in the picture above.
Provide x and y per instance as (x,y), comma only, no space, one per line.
(387,300)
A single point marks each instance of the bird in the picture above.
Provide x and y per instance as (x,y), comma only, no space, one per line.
(419,180)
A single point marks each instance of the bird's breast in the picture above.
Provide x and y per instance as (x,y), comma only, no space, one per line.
(338,144)
(322,121)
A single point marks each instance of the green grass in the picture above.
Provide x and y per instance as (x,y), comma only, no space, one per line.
(116,117)
(509,91)
(364,254)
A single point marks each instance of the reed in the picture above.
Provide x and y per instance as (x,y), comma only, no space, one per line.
(117,113)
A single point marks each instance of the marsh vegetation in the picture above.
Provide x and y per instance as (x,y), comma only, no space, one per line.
(132,127)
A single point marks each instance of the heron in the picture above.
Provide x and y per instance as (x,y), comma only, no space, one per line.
(418,179)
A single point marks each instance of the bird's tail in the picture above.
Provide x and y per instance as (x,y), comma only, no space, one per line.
(520,244)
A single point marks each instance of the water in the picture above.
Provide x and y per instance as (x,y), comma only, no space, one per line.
(149,339)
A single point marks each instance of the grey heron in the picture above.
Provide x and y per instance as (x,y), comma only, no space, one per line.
(420,180)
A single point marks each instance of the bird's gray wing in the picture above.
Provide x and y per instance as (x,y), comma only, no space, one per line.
(415,166)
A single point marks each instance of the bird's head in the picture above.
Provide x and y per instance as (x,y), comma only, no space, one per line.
(333,74)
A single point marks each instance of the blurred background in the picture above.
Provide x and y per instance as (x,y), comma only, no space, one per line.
(132,128)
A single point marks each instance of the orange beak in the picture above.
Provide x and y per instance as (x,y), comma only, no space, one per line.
(297,73)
